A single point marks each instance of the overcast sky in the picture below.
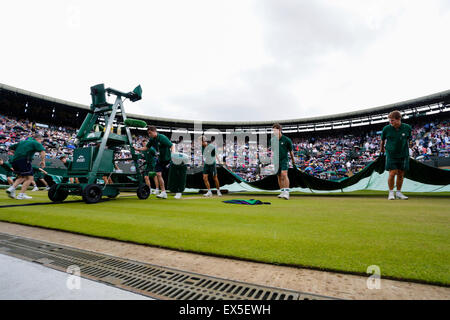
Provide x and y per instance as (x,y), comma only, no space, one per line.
(230,60)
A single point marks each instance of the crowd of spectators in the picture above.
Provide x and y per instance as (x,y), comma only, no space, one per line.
(335,157)
(431,139)
(328,157)
(58,141)
(338,157)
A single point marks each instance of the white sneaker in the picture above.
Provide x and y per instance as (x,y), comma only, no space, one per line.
(208,194)
(177,196)
(11,192)
(281,194)
(219,194)
(23,196)
(47,188)
(35,189)
(391,195)
(401,196)
(285,195)
(162,195)
(155,191)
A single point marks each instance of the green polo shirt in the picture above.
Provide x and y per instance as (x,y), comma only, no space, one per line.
(397,140)
(26,149)
(162,144)
(285,146)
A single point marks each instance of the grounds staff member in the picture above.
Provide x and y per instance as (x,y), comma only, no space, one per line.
(209,166)
(21,163)
(395,139)
(10,176)
(68,164)
(150,162)
(164,147)
(284,148)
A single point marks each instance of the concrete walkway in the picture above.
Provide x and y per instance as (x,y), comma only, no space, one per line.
(24,280)
(324,283)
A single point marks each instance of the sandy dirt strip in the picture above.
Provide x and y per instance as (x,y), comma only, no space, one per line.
(304,280)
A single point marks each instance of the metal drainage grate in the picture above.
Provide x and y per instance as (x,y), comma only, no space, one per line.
(146,279)
(5,237)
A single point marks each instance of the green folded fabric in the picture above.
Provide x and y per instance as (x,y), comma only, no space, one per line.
(135,123)
(251,202)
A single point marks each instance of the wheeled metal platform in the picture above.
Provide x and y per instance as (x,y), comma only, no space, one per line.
(94,158)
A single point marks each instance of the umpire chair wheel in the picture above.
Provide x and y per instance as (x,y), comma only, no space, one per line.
(57,194)
(143,191)
(92,193)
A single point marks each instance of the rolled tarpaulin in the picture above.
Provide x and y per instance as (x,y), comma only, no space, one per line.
(135,123)
(177,172)
(177,177)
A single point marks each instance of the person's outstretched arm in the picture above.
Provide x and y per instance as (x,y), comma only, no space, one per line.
(382,149)
(292,157)
(42,154)
(141,149)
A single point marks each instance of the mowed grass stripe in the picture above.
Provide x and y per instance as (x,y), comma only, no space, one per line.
(406,239)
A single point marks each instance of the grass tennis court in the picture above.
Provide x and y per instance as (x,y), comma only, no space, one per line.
(343,232)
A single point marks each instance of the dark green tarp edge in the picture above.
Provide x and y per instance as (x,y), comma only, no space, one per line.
(299,179)
(418,172)
(195,178)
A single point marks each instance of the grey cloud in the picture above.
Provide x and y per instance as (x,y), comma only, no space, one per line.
(258,100)
(295,34)
(298,29)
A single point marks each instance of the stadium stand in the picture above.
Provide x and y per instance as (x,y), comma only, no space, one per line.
(329,148)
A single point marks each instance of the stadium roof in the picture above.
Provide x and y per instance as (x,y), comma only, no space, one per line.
(439,97)
(43,97)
